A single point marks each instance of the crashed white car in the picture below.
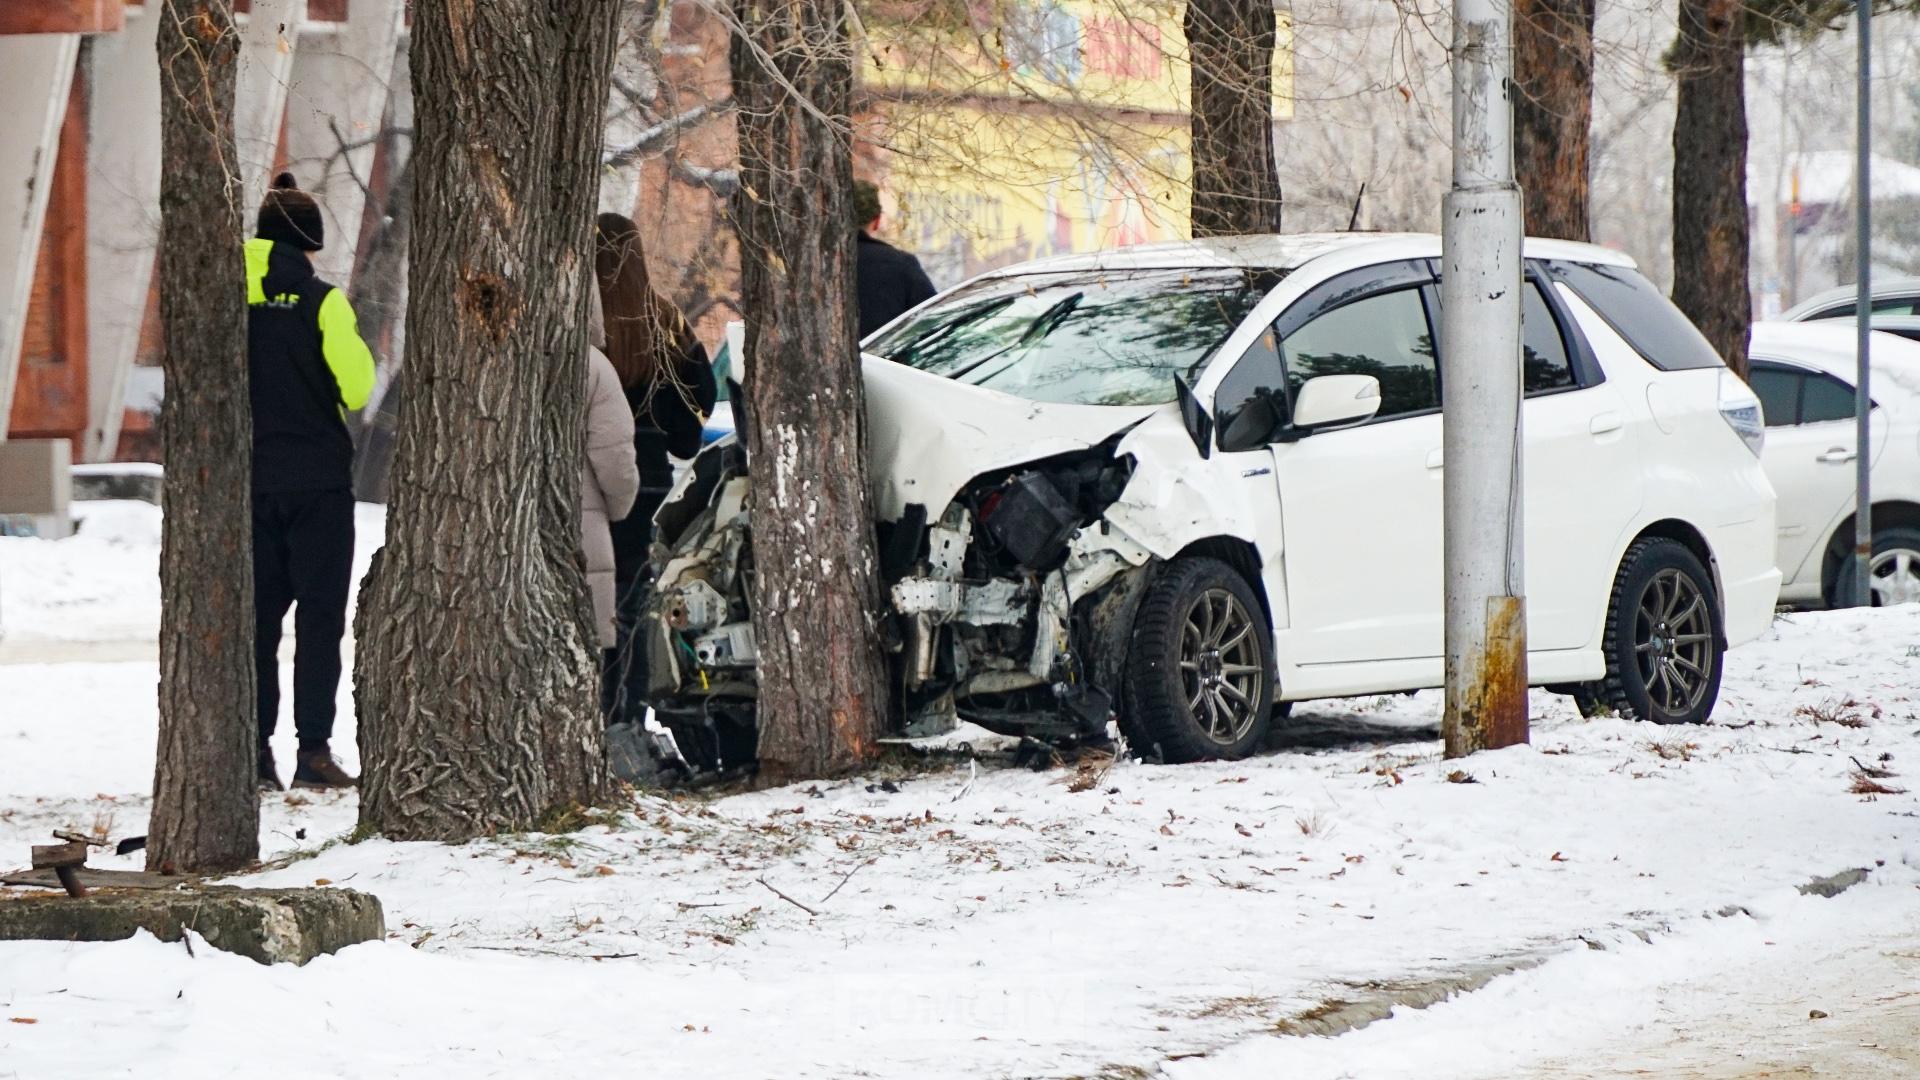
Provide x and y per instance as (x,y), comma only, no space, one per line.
(1183,485)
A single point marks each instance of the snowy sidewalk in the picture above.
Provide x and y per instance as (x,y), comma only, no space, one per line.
(1010,923)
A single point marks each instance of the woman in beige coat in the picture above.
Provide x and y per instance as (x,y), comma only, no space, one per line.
(609,478)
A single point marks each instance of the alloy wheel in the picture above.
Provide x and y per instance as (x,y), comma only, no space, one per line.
(1673,641)
(1894,577)
(1220,666)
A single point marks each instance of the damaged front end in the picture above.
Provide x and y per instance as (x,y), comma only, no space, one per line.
(1008,609)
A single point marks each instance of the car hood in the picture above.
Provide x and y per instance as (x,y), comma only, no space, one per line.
(929,435)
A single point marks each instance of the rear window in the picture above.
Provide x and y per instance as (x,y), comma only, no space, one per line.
(1638,312)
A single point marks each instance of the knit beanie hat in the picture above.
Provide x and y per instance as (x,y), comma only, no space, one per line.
(290,216)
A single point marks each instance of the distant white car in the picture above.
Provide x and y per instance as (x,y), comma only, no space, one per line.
(1891,296)
(1189,483)
(1804,374)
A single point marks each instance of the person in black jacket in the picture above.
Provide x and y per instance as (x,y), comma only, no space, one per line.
(888,282)
(669,383)
(306,367)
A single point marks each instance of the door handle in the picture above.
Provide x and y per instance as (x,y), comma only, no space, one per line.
(1838,455)
(1605,422)
(1436,458)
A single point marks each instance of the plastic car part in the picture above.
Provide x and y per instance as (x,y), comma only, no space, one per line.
(1031,520)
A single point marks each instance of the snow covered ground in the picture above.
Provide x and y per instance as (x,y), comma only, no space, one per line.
(1122,920)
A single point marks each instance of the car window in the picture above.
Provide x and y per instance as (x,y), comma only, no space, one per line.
(1893,305)
(1385,335)
(1089,337)
(1638,312)
(1546,366)
(1825,398)
(1257,377)
(1779,391)
(1844,311)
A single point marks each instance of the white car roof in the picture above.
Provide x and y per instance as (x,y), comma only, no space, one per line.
(1882,289)
(1829,346)
(1288,252)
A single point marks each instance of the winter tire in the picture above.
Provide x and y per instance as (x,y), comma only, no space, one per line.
(1664,640)
(1894,571)
(1200,668)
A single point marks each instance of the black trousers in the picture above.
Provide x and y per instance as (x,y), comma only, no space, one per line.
(303,559)
(623,668)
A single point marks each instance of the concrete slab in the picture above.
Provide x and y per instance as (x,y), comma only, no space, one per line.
(271,926)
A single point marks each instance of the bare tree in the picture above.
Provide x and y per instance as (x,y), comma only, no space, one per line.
(206,812)
(1553,113)
(816,592)
(1235,186)
(1710,175)
(477,675)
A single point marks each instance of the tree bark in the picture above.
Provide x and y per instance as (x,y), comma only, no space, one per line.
(1235,186)
(1553,113)
(1710,176)
(206,812)
(477,671)
(816,591)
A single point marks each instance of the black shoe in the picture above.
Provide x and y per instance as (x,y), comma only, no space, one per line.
(269,775)
(318,771)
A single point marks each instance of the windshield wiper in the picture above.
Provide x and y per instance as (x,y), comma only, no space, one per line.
(905,353)
(1049,320)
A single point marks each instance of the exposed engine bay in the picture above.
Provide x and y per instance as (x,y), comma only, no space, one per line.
(1008,605)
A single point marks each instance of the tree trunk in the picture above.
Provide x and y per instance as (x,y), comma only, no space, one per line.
(477,671)
(206,812)
(1553,113)
(1235,187)
(1710,176)
(816,593)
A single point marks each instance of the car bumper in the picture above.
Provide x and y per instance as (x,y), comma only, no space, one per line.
(1750,605)
(1744,554)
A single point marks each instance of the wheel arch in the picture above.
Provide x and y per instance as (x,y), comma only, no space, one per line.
(1242,556)
(1896,513)
(1691,538)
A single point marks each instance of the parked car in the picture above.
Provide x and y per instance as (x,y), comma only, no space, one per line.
(1906,326)
(1804,374)
(1187,484)
(1892,296)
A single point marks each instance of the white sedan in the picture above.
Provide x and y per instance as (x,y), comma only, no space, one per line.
(1804,375)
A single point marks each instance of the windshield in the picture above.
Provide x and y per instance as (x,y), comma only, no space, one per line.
(1087,337)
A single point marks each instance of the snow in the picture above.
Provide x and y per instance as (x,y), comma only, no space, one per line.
(102,585)
(981,920)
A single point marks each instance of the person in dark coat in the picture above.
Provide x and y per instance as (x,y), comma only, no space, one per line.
(307,367)
(888,282)
(669,384)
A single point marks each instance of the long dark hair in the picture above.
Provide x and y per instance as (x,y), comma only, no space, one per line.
(646,333)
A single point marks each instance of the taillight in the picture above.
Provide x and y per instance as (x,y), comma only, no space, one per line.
(1741,410)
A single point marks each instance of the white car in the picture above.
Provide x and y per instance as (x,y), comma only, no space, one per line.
(1890,296)
(1188,483)
(1804,374)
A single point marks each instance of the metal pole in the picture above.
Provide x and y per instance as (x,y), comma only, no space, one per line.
(1486,633)
(1863,319)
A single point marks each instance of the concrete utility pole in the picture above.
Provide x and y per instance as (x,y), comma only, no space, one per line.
(1486,626)
(1863,319)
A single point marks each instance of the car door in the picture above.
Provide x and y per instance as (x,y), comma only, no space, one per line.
(1808,456)
(1580,469)
(1361,505)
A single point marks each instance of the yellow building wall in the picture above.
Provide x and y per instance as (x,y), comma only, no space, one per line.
(1061,128)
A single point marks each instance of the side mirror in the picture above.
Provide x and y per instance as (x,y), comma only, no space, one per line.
(1332,400)
(1194,415)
